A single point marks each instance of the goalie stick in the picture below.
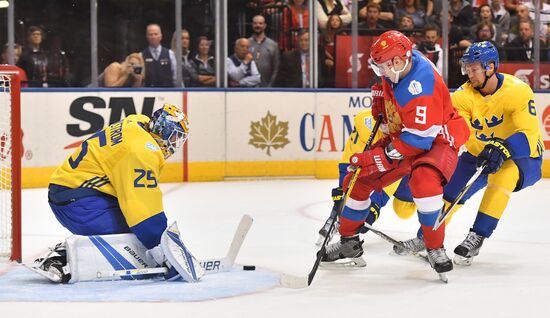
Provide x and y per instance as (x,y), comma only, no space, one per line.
(291,281)
(211,266)
(443,215)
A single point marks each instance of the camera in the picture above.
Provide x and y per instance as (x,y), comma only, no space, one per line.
(138,69)
(426,47)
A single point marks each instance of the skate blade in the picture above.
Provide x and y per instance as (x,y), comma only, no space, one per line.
(463,261)
(52,277)
(443,277)
(344,264)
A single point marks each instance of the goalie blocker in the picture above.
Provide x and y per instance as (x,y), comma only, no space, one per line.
(88,256)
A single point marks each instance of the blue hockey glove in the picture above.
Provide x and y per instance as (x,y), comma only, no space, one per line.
(494,154)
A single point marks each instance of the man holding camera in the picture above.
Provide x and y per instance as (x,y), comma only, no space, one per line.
(430,48)
(129,73)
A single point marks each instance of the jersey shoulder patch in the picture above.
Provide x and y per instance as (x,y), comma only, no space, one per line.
(419,82)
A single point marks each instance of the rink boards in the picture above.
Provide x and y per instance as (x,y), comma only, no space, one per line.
(234,134)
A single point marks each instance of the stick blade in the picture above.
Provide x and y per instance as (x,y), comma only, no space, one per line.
(294,282)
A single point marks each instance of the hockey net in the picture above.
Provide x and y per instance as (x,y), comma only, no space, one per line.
(10,164)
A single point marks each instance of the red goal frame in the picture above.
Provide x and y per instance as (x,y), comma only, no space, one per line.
(16,153)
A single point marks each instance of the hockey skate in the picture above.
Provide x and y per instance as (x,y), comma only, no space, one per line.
(325,230)
(348,249)
(465,252)
(440,262)
(414,245)
(53,266)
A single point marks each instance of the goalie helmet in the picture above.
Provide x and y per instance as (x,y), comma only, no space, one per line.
(483,52)
(170,128)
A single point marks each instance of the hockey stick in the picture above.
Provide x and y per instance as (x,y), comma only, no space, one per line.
(443,215)
(292,281)
(393,241)
(211,266)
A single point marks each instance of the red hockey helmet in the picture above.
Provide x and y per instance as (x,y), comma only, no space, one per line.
(389,45)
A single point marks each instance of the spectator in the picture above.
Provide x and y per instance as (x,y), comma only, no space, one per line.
(241,68)
(372,17)
(386,18)
(34,60)
(428,6)
(334,26)
(299,14)
(463,15)
(522,14)
(412,9)
(58,65)
(485,15)
(129,73)
(17,51)
(325,8)
(298,19)
(436,9)
(458,42)
(544,9)
(501,19)
(512,6)
(457,39)
(294,71)
(160,62)
(205,64)
(484,31)
(521,48)
(188,72)
(406,22)
(265,52)
(430,48)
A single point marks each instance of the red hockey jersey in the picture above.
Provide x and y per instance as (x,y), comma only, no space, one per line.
(419,111)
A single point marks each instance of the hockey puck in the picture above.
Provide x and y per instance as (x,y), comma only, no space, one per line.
(249,268)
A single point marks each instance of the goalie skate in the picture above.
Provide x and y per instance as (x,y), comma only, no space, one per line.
(346,253)
(465,252)
(53,267)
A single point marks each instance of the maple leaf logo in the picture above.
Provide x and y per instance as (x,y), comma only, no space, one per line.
(268,133)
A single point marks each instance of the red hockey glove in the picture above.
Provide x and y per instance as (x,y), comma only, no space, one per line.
(377,101)
(373,161)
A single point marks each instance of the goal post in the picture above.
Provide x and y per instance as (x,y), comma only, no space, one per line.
(10,163)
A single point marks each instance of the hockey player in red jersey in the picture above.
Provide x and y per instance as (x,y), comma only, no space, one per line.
(424,135)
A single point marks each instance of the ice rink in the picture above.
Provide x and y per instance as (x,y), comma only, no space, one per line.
(510,277)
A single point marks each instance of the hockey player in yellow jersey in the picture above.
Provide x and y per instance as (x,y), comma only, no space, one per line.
(110,185)
(505,138)
(363,123)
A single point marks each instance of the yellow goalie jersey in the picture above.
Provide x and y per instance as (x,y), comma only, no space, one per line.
(508,114)
(124,161)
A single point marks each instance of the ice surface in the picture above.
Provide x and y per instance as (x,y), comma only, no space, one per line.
(508,279)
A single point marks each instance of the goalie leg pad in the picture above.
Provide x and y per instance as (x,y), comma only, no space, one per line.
(87,256)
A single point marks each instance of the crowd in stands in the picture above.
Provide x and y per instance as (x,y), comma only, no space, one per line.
(272,48)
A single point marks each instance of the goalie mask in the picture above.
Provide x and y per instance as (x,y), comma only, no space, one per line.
(170,129)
